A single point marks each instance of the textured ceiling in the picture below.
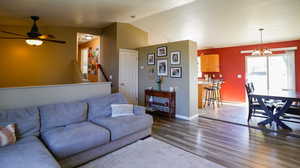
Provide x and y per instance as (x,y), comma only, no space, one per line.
(211,23)
(220,23)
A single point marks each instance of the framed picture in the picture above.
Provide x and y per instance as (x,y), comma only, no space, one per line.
(151,59)
(162,51)
(176,72)
(162,67)
(175,57)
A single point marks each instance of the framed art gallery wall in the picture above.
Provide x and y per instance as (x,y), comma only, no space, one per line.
(185,85)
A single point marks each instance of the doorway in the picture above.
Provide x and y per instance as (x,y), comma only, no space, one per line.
(88,57)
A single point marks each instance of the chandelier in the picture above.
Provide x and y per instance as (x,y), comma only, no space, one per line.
(262,51)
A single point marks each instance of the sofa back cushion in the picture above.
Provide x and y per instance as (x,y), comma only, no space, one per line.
(101,106)
(27,120)
(56,115)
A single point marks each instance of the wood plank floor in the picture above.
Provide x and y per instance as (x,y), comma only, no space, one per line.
(238,113)
(230,145)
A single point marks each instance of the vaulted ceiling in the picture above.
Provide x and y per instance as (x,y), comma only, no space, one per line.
(219,23)
(211,23)
(81,13)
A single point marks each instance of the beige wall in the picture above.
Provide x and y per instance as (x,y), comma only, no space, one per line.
(186,87)
(108,56)
(12,98)
(130,37)
(24,65)
(114,37)
(193,79)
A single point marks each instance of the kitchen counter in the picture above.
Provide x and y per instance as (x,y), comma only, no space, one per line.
(206,82)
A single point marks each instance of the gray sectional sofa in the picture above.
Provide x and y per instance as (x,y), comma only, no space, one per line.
(70,134)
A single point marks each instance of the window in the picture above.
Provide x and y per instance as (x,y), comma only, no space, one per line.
(276,72)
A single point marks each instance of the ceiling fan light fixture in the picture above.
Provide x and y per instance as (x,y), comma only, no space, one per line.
(34,42)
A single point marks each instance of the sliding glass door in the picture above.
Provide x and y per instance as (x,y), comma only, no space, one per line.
(276,72)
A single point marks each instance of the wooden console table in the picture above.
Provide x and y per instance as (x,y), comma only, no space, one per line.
(170,104)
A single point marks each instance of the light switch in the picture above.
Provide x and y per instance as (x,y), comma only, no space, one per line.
(142,67)
(239,76)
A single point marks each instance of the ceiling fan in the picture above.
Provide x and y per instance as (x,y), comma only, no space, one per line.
(34,37)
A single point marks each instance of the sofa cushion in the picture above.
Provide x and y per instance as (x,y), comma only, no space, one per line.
(27,152)
(27,120)
(74,138)
(124,125)
(139,110)
(56,115)
(101,106)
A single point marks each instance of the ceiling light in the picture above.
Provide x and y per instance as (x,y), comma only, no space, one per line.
(87,37)
(262,51)
(34,42)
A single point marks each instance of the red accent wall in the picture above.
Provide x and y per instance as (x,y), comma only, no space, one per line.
(232,63)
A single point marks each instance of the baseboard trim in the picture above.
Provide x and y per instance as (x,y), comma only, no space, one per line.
(186,118)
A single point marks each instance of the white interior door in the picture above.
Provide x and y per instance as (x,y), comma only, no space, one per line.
(128,74)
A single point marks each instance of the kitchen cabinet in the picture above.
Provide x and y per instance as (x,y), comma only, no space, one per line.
(210,63)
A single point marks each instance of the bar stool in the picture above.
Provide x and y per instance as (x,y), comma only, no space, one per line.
(210,95)
(218,92)
(213,94)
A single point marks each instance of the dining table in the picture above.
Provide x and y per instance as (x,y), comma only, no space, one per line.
(275,104)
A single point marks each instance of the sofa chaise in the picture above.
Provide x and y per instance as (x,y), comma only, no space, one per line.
(70,134)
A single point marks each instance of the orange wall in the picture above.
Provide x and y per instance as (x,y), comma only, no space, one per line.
(49,64)
(232,62)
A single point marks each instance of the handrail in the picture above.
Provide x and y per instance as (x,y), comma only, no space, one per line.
(102,71)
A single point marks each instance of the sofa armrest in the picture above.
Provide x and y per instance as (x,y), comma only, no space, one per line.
(139,110)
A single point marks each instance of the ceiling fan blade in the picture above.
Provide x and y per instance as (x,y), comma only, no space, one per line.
(54,41)
(46,36)
(14,37)
(13,33)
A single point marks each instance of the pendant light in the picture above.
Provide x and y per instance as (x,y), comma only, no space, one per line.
(262,51)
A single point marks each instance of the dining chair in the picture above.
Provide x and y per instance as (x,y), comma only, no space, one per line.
(252,103)
(294,110)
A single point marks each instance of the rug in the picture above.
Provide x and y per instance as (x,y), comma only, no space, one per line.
(151,153)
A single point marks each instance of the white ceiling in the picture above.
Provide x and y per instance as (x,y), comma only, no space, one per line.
(84,37)
(220,23)
(81,13)
(211,23)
